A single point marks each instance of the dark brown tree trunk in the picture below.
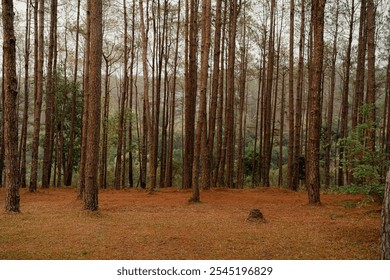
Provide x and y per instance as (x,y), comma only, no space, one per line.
(2,148)
(81,179)
(344,101)
(23,137)
(93,134)
(70,163)
(291,164)
(281,131)
(38,79)
(169,172)
(329,124)
(200,148)
(49,114)
(360,67)
(268,100)
(298,101)
(190,96)
(12,198)
(371,92)
(314,120)
(214,87)
(242,91)
(123,96)
(385,229)
(220,152)
(230,150)
(106,109)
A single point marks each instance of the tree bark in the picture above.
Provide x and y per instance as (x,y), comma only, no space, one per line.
(23,140)
(291,164)
(12,198)
(314,121)
(190,96)
(37,97)
(329,124)
(93,134)
(49,113)
(385,229)
(81,179)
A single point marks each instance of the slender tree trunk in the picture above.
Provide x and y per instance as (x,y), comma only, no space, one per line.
(361,64)
(93,134)
(23,140)
(169,172)
(214,87)
(230,150)
(200,149)
(344,101)
(329,124)
(268,99)
(281,131)
(70,163)
(371,92)
(190,96)
(298,101)
(123,96)
(12,198)
(220,145)
(38,99)
(81,179)
(242,91)
(49,131)
(314,120)
(291,163)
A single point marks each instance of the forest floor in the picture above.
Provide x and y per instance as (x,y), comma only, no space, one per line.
(132,224)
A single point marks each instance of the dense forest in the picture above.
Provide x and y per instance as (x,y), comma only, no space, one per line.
(203,94)
(195,94)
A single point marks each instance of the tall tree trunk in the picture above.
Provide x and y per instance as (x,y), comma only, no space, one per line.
(344,101)
(169,172)
(93,135)
(314,120)
(268,99)
(230,150)
(242,91)
(37,97)
(81,179)
(298,101)
(291,163)
(23,140)
(281,131)
(200,149)
(371,94)
(329,124)
(123,96)
(49,114)
(12,198)
(220,152)
(70,163)
(190,96)
(360,67)
(214,87)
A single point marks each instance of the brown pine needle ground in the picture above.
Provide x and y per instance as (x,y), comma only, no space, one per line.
(134,225)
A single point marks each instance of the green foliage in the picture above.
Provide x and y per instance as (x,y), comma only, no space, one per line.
(366,165)
(63,92)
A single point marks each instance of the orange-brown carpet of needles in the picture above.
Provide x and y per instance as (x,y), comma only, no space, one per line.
(132,224)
